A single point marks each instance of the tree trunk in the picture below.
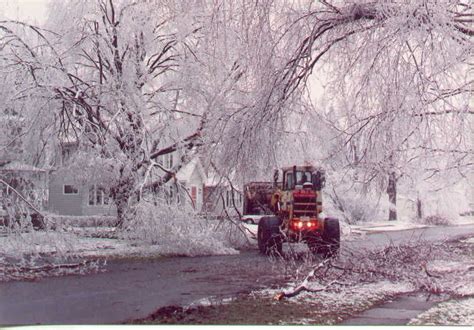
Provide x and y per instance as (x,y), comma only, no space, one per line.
(121,195)
(392,196)
(419,208)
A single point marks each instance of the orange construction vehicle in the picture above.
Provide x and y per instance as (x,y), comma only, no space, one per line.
(296,204)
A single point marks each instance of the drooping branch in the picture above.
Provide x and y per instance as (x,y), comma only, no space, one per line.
(339,23)
(188,143)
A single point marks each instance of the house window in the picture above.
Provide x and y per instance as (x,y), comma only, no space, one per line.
(169,160)
(98,196)
(166,160)
(70,190)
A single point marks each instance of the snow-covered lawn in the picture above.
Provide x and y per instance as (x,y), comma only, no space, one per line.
(466,220)
(75,244)
(452,312)
(68,244)
(68,248)
(384,226)
(332,307)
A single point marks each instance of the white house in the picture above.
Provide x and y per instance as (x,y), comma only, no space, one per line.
(192,178)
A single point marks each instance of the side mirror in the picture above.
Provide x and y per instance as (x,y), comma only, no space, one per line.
(319,180)
(323,179)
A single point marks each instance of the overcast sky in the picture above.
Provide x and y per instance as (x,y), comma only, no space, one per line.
(32,11)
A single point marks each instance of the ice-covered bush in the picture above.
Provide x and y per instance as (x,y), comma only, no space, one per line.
(435,220)
(352,206)
(178,231)
(57,221)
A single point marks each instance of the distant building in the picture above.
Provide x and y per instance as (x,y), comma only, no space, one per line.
(192,178)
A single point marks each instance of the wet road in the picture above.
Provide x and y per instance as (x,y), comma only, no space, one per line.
(134,289)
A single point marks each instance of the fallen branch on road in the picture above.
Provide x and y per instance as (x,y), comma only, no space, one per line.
(407,263)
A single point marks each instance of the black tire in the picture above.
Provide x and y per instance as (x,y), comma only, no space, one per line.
(269,238)
(331,238)
(249,221)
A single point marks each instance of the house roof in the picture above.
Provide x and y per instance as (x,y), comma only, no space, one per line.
(185,173)
(214,180)
(18,166)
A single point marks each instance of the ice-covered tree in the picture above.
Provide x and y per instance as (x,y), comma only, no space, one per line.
(394,77)
(136,80)
(111,67)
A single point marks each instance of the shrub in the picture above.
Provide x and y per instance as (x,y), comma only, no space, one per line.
(54,220)
(435,220)
(181,232)
(353,207)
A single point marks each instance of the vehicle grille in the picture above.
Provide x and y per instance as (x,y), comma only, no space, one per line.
(304,206)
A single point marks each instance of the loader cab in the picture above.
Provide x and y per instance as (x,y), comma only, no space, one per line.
(304,177)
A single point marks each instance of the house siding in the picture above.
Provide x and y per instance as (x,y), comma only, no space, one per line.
(61,203)
(78,204)
(74,204)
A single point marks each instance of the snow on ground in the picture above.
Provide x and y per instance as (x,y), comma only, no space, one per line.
(397,225)
(452,312)
(355,294)
(78,240)
(469,240)
(95,242)
(251,230)
(462,288)
(447,266)
(75,244)
(466,220)
(384,226)
(336,304)
(67,244)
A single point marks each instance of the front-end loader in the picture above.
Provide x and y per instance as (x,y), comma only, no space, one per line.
(296,204)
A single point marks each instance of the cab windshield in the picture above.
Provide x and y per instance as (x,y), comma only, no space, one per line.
(301,178)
